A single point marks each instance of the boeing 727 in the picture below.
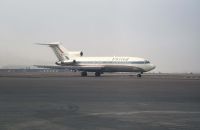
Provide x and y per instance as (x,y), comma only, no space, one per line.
(75,61)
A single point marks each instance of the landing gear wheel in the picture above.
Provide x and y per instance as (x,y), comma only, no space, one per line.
(139,75)
(84,74)
(97,74)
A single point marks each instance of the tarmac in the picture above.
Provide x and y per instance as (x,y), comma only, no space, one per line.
(111,102)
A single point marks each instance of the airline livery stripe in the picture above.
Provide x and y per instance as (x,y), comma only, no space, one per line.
(110,62)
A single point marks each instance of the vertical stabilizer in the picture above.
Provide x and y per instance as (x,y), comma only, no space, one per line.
(60,51)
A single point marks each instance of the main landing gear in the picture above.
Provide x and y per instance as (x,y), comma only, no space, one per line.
(97,74)
(84,74)
(139,75)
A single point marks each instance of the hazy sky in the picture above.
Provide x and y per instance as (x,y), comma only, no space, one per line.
(167,32)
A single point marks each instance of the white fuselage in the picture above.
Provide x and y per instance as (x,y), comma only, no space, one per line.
(112,64)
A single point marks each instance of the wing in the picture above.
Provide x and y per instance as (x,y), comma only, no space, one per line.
(50,67)
(96,68)
(89,68)
(74,68)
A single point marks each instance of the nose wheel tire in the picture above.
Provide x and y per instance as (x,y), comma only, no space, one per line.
(84,74)
(97,74)
(139,75)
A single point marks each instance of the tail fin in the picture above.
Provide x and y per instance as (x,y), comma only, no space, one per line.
(61,53)
(59,50)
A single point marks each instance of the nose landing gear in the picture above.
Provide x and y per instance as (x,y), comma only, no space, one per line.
(139,75)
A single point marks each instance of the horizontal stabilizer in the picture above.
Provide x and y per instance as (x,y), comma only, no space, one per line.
(50,44)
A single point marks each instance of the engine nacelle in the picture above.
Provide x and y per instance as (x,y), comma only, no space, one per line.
(68,62)
(58,63)
(75,53)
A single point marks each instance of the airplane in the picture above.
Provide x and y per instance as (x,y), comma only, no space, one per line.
(75,61)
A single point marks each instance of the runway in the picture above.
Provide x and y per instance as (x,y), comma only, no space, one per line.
(99,103)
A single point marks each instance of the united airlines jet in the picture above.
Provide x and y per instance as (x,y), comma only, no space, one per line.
(75,61)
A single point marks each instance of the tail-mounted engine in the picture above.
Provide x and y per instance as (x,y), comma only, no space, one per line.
(75,53)
(58,63)
(67,62)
